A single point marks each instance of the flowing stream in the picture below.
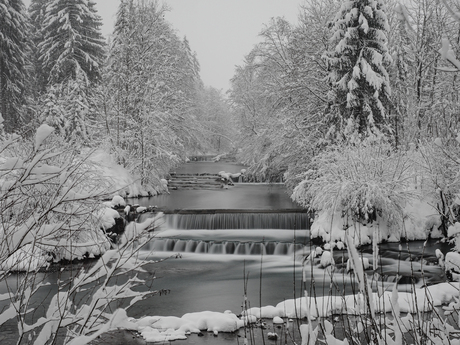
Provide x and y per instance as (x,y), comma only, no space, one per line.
(247,242)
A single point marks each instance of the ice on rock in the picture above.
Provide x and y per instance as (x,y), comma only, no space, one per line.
(272,336)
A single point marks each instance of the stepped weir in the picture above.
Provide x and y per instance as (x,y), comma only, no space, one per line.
(237,219)
(241,232)
(202,218)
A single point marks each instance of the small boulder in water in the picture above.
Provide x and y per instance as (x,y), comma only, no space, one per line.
(272,336)
(141,209)
(326,259)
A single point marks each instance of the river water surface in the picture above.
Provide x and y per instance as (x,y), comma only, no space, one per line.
(211,274)
(246,242)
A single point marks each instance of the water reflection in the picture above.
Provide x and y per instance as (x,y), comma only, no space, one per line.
(240,196)
(209,168)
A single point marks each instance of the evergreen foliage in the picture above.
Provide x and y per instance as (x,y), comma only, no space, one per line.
(358,65)
(70,108)
(13,59)
(37,10)
(72,41)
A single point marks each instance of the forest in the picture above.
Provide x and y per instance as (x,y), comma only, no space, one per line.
(355,108)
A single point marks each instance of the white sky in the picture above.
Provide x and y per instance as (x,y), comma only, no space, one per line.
(221,32)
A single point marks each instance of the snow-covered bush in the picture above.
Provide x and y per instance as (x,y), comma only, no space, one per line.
(49,199)
(51,209)
(362,183)
(439,166)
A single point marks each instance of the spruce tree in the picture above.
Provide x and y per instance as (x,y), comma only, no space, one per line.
(37,10)
(13,46)
(72,41)
(358,65)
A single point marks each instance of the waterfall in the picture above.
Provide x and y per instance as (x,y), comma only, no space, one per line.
(232,232)
(252,220)
(224,247)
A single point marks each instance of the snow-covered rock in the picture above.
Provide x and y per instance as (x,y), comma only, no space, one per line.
(277,320)
(326,259)
(107,217)
(452,265)
(168,328)
(118,201)
(141,209)
(266,312)
(364,262)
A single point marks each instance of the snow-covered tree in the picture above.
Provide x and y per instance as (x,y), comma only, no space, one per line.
(190,80)
(256,105)
(215,118)
(279,93)
(37,10)
(72,40)
(150,81)
(13,45)
(434,88)
(304,85)
(69,107)
(67,59)
(359,64)
(399,74)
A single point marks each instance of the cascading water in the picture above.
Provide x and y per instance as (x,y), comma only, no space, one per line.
(227,247)
(249,240)
(232,233)
(238,220)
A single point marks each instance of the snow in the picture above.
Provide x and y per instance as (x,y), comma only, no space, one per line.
(168,328)
(323,306)
(26,259)
(141,209)
(452,262)
(133,230)
(42,133)
(12,163)
(363,262)
(420,221)
(326,259)
(107,217)
(118,201)
(268,312)
(278,320)
(121,179)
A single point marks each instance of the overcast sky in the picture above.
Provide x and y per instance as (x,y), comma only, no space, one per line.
(221,32)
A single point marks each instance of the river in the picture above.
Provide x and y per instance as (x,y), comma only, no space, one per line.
(221,245)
